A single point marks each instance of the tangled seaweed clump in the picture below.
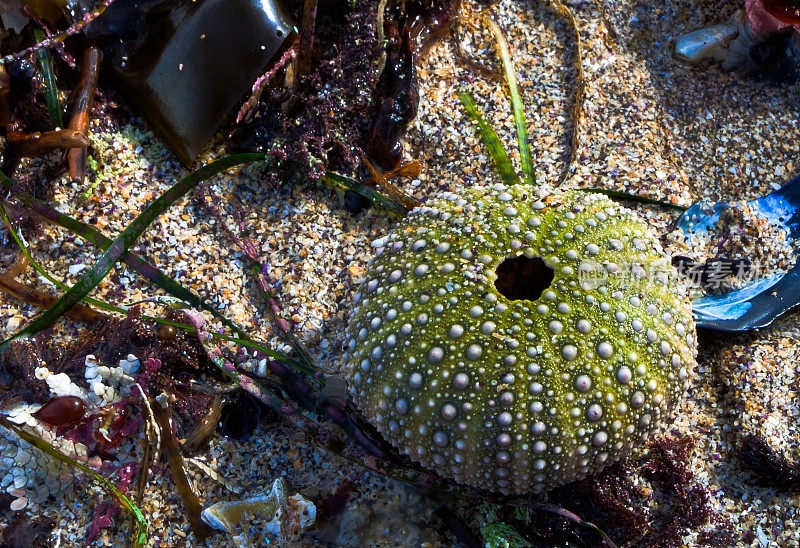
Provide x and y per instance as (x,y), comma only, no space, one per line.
(479,347)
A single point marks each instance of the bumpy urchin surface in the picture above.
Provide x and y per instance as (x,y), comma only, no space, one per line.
(519,396)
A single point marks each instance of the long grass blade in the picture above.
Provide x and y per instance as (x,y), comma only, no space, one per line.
(141,266)
(526,162)
(42,272)
(133,260)
(50,88)
(125,240)
(490,139)
(620,195)
(140,533)
(123,310)
(381,200)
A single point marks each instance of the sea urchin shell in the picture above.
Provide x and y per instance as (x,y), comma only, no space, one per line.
(516,339)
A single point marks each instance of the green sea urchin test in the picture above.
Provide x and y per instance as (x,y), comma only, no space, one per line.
(516,339)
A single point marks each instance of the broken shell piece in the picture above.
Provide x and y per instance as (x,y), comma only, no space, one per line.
(283,518)
(728,43)
(757,304)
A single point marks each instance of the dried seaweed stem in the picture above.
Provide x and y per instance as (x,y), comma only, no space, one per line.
(580,91)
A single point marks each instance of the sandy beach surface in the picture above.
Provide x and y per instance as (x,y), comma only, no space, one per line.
(649,126)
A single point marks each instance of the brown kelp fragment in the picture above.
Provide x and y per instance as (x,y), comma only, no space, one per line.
(771,468)
(397,95)
(408,170)
(81,112)
(34,297)
(306,39)
(410,29)
(189,63)
(206,427)
(151,451)
(6,117)
(35,144)
(19,265)
(191,503)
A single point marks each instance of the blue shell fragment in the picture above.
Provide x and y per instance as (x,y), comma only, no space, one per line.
(759,303)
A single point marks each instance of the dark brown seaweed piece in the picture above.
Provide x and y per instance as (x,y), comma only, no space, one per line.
(6,117)
(35,144)
(771,469)
(191,503)
(43,300)
(206,426)
(81,112)
(186,70)
(306,49)
(398,97)
(410,31)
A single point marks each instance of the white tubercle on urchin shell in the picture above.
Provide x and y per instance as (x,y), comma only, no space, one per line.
(464,359)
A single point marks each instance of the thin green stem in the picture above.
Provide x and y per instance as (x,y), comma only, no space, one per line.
(140,534)
(491,140)
(381,200)
(145,269)
(124,241)
(50,87)
(526,161)
(620,195)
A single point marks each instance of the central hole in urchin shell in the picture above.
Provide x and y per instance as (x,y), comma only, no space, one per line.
(523,278)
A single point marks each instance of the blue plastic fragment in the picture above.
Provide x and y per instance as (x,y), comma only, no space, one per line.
(759,303)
